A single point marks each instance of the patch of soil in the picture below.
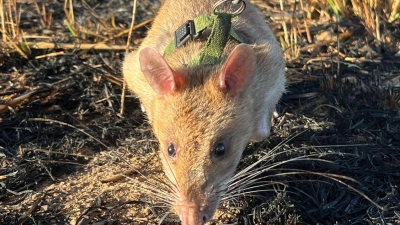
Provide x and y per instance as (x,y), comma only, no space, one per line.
(67,155)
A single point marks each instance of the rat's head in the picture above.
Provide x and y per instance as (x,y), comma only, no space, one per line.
(203,121)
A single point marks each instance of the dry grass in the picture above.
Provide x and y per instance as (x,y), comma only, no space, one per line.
(10,30)
(69,156)
(373,11)
(92,32)
(373,14)
(296,21)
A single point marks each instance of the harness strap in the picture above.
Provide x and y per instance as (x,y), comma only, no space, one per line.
(221,31)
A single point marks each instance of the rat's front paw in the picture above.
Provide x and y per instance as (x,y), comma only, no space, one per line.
(263,127)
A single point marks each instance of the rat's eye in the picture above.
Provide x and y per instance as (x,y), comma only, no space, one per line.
(219,150)
(171,150)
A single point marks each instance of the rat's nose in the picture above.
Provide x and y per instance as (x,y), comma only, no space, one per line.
(191,215)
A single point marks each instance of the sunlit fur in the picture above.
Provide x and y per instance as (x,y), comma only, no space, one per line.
(200,115)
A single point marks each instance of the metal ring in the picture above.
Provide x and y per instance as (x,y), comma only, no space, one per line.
(237,12)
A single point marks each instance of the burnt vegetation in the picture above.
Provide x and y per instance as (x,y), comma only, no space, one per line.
(75,147)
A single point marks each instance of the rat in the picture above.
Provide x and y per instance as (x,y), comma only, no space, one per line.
(204,116)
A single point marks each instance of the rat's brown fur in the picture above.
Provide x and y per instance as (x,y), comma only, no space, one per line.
(198,115)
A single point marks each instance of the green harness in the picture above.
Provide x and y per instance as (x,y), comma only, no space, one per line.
(221,24)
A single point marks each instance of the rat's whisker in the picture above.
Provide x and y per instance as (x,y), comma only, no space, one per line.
(252,185)
(256,172)
(164,204)
(248,174)
(168,191)
(260,182)
(154,192)
(160,195)
(249,183)
(270,155)
(241,190)
(174,186)
(148,186)
(249,190)
(171,188)
(240,196)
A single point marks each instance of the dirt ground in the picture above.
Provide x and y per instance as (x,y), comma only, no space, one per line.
(68,156)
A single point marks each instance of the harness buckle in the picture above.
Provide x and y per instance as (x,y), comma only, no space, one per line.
(184,33)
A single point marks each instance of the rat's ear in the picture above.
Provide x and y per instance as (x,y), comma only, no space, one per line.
(158,73)
(239,70)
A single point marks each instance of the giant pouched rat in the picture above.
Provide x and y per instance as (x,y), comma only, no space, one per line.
(204,115)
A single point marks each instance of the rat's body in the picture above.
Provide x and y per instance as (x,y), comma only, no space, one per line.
(204,116)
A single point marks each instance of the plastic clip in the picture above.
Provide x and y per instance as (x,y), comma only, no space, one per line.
(184,33)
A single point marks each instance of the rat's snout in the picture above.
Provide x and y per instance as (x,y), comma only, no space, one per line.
(192,214)
(196,203)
